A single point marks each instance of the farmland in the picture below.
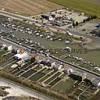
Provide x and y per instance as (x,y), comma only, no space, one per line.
(88,6)
(28,7)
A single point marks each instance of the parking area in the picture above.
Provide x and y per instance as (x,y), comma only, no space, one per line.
(32,35)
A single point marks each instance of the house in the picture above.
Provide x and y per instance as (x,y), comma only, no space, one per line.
(24,56)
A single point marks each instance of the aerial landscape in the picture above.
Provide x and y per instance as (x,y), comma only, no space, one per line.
(49,49)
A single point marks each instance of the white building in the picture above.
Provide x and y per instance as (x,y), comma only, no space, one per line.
(24,56)
(10,48)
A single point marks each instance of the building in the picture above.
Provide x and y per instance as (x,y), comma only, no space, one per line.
(96,82)
(10,48)
(23,55)
(77,75)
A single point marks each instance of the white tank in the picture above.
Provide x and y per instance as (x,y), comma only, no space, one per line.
(10,48)
(14,66)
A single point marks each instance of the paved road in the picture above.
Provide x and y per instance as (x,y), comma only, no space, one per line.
(18,90)
(7,42)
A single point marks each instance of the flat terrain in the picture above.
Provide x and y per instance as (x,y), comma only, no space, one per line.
(88,6)
(28,7)
(52,79)
(18,90)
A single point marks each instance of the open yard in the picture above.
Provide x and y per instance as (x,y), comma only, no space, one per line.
(28,7)
(88,6)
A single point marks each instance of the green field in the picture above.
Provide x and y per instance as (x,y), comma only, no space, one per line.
(92,56)
(64,86)
(88,6)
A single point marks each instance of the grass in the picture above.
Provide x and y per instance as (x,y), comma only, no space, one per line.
(2,52)
(30,72)
(54,76)
(2,58)
(92,56)
(37,76)
(47,76)
(64,86)
(96,97)
(55,81)
(87,6)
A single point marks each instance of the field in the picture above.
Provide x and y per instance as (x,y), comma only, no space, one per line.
(88,6)
(28,7)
